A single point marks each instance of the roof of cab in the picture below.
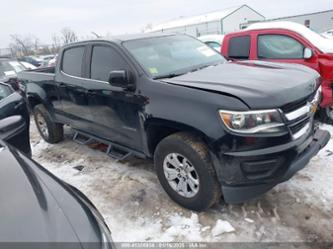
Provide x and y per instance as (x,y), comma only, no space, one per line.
(123,38)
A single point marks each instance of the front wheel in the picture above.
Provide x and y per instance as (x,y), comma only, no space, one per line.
(185,171)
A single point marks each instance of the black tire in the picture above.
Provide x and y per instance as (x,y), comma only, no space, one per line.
(195,150)
(324,118)
(55,130)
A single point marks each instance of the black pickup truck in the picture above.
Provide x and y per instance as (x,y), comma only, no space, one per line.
(214,128)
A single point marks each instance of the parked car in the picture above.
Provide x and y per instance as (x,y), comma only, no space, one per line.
(213,41)
(53,61)
(211,126)
(38,210)
(46,57)
(32,60)
(290,43)
(13,104)
(27,65)
(8,71)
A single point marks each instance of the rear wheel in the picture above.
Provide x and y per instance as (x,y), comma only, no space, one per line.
(185,171)
(50,131)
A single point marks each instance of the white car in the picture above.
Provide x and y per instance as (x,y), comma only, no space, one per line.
(52,62)
(213,41)
(28,65)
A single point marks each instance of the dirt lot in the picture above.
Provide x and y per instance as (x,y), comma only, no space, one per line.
(137,209)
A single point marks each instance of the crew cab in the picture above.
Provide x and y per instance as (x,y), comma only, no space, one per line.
(213,127)
(287,42)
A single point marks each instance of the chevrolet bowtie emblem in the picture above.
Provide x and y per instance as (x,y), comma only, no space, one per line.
(313,107)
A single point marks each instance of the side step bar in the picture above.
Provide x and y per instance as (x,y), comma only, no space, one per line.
(115,151)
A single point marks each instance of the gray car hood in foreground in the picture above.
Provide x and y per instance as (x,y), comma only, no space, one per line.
(258,84)
(36,207)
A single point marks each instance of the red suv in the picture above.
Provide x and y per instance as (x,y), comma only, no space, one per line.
(286,42)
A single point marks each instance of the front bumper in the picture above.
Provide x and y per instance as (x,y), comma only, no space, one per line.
(247,175)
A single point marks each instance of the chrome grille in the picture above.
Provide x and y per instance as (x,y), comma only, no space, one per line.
(300,119)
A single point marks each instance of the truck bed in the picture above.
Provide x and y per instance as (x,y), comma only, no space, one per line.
(39,74)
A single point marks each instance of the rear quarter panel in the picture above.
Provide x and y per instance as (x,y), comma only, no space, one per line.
(41,87)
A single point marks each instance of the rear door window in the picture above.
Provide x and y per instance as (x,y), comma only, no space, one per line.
(72,61)
(279,47)
(239,47)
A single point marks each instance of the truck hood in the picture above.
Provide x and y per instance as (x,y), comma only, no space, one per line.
(260,85)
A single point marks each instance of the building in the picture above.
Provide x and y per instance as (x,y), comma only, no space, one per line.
(219,22)
(6,52)
(317,21)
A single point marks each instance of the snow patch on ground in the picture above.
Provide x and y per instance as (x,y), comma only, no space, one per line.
(221,227)
(182,228)
(136,208)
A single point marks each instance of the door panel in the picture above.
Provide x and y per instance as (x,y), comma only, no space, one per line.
(73,89)
(115,111)
(115,114)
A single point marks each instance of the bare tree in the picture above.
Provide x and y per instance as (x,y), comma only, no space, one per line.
(95,34)
(56,43)
(21,45)
(36,43)
(68,36)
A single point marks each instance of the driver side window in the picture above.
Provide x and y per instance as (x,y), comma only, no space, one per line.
(279,47)
(104,60)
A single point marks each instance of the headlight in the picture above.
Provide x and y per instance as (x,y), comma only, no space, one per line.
(252,122)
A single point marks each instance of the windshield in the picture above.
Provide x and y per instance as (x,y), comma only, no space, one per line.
(10,68)
(172,55)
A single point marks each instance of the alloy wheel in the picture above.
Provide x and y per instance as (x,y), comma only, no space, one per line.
(42,125)
(181,175)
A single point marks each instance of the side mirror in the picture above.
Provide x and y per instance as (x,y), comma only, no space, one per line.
(10,126)
(121,78)
(308,53)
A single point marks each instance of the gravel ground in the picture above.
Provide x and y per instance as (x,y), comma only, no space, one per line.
(137,209)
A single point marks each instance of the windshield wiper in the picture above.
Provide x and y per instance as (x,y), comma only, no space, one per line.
(204,66)
(197,68)
(170,75)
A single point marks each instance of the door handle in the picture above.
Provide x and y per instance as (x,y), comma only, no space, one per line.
(89,91)
(62,85)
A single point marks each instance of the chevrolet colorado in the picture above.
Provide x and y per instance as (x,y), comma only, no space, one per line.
(214,128)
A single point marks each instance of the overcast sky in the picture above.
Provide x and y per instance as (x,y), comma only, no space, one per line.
(42,18)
